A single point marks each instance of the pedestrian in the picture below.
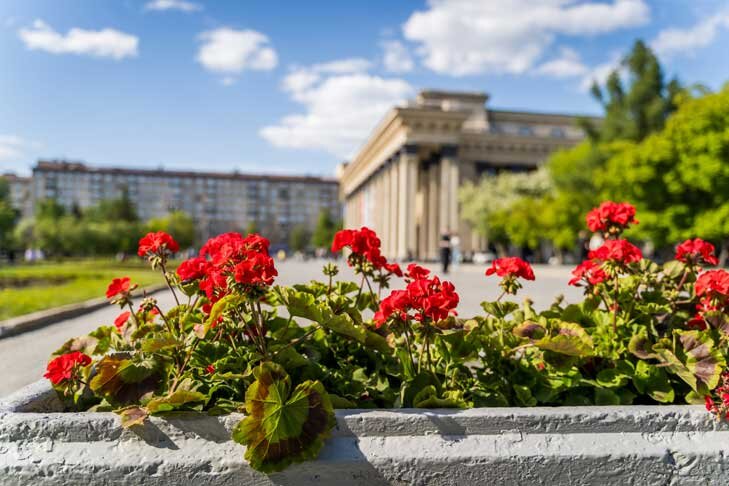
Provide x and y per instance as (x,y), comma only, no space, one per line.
(445,250)
(456,250)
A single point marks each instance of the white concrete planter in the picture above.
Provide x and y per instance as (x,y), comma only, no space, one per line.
(570,445)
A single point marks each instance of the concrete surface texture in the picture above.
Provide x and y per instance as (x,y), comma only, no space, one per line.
(25,355)
(671,445)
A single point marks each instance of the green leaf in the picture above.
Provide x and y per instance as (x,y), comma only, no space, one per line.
(122,380)
(529,329)
(428,398)
(612,378)
(571,339)
(179,399)
(217,310)
(674,269)
(603,396)
(653,381)
(160,342)
(282,426)
(341,402)
(705,362)
(375,341)
(499,309)
(524,396)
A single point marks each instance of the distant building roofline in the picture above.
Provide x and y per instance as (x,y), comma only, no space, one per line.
(75,166)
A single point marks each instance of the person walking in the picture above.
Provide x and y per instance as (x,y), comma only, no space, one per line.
(455,250)
(445,250)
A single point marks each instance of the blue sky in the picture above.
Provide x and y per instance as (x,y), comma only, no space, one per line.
(297,86)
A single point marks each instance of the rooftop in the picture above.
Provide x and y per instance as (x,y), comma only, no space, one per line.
(74,166)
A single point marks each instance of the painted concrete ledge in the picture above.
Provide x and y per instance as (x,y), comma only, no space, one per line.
(37,320)
(668,445)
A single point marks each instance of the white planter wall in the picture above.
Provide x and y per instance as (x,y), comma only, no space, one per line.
(673,445)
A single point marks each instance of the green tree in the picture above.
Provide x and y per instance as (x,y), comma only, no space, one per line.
(634,111)
(177,223)
(326,228)
(488,207)
(49,209)
(121,209)
(8,217)
(678,178)
(298,238)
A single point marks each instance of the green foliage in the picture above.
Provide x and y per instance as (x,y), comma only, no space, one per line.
(298,238)
(178,224)
(325,229)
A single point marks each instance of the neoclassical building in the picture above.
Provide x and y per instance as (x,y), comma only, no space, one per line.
(404,181)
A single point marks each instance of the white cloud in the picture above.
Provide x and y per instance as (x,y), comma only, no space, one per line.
(341,107)
(12,147)
(181,5)
(685,41)
(567,65)
(230,52)
(599,74)
(462,37)
(97,43)
(396,57)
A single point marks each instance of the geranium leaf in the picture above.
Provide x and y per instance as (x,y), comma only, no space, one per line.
(132,416)
(571,339)
(177,400)
(529,329)
(705,362)
(121,380)
(653,381)
(282,426)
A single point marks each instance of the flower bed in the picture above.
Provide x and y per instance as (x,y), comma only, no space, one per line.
(286,357)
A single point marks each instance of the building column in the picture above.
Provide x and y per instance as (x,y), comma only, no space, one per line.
(383,234)
(432,215)
(449,182)
(408,182)
(392,232)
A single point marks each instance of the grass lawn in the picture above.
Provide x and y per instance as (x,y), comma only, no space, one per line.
(28,288)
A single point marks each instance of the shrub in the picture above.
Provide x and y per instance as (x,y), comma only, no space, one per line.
(288,356)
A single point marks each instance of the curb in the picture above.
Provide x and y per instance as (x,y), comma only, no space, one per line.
(37,320)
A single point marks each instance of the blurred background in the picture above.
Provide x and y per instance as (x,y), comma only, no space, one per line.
(459,130)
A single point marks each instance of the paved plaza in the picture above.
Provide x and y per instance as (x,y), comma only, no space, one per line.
(24,357)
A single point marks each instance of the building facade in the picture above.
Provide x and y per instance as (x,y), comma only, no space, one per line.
(217,202)
(404,181)
(21,195)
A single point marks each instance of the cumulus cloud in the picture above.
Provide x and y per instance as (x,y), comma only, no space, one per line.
(181,5)
(567,65)
(108,43)
(342,103)
(673,41)
(230,52)
(396,57)
(462,37)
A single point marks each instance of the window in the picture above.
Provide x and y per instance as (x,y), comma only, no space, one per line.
(557,132)
(526,130)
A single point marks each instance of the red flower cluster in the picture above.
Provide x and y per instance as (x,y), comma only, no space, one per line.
(696,251)
(611,217)
(245,259)
(159,243)
(122,319)
(416,272)
(63,367)
(617,251)
(719,407)
(511,267)
(589,271)
(119,287)
(365,245)
(424,297)
(712,284)
(192,269)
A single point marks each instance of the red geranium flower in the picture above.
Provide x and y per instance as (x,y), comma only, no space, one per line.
(62,367)
(394,269)
(590,271)
(416,272)
(619,251)
(611,217)
(118,287)
(156,244)
(424,297)
(513,267)
(192,269)
(712,283)
(122,319)
(210,369)
(364,244)
(696,251)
